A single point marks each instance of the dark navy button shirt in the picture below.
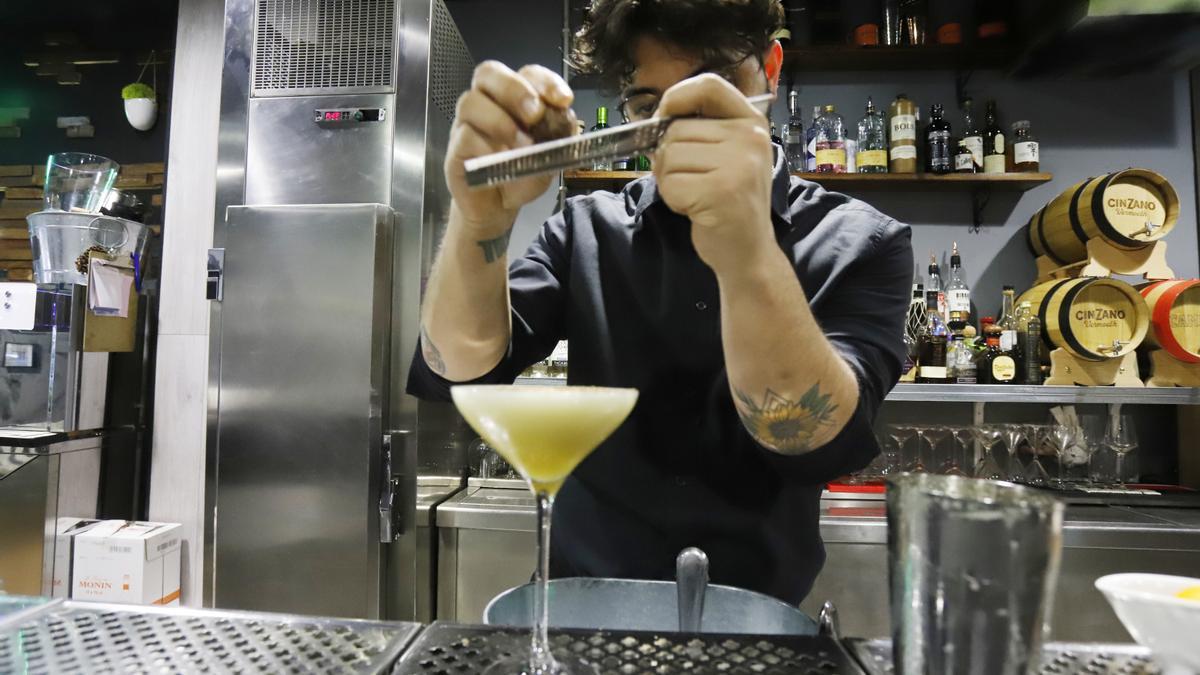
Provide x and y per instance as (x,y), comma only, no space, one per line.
(617,275)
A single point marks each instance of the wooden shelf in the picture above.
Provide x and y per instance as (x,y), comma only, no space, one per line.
(897,182)
(929,57)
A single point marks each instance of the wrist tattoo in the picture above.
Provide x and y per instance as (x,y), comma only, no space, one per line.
(433,358)
(784,425)
(494,249)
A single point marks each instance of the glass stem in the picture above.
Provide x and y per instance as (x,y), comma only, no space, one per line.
(540,656)
(1120,469)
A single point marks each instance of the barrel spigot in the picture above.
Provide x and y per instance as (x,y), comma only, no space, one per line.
(1151,227)
(1115,348)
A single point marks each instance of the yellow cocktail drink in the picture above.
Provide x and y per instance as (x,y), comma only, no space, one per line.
(544,432)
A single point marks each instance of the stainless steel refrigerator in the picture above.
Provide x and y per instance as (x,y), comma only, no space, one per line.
(335,116)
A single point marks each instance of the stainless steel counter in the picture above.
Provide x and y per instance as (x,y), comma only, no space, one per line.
(486,545)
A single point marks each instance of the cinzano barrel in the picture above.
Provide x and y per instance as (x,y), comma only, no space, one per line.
(1129,209)
(1175,317)
(1094,319)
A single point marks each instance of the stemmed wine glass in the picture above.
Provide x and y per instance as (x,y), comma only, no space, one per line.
(988,436)
(901,433)
(1122,438)
(1014,435)
(544,432)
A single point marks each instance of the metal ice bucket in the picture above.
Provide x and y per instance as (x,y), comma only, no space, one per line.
(58,240)
(689,605)
(973,565)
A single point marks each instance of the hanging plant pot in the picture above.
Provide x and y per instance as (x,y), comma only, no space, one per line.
(140,107)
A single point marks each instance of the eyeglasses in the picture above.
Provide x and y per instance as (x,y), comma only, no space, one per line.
(641,105)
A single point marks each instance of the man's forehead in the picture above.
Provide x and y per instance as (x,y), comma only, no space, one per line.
(658,64)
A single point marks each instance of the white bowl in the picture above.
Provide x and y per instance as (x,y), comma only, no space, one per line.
(1168,626)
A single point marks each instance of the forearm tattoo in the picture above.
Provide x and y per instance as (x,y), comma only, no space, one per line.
(494,249)
(433,358)
(783,425)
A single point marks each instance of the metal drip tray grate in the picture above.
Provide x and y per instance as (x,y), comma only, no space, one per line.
(450,649)
(1058,658)
(78,637)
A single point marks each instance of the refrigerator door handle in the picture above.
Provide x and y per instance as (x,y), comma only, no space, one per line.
(399,470)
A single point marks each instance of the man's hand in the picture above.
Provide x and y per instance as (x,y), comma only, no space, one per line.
(496,114)
(717,171)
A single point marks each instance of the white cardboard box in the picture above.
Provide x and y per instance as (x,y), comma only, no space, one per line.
(127,561)
(65,531)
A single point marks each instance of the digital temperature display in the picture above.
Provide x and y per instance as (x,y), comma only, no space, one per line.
(352,115)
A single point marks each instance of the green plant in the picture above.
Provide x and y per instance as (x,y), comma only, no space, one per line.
(137,90)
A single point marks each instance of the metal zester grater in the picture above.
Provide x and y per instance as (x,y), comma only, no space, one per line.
(574,152)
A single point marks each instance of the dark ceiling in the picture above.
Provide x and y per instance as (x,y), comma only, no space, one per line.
(98,24)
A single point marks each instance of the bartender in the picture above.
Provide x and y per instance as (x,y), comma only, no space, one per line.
(759,315)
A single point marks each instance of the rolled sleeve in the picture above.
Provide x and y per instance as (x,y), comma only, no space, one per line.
(537,293)
(863,318)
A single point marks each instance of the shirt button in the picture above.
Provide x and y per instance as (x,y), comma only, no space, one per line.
(701,305)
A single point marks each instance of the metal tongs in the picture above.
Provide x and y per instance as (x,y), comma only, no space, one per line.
(574,152)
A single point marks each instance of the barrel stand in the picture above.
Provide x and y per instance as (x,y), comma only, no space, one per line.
(1104,260)
(1067,369)
(1168,371)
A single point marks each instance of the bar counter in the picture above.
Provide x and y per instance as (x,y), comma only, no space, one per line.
(485,535)
(42,636)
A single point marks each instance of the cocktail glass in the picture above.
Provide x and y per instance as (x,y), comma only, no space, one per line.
(988,436)
(544,432)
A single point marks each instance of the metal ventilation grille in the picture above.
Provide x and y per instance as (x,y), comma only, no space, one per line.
(450,64)
(323,45)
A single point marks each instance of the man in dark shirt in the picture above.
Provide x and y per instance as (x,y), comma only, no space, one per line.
(759,315)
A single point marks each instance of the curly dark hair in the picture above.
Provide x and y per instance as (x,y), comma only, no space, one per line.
(718,30)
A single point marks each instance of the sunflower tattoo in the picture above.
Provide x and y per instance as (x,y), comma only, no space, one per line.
(783,425)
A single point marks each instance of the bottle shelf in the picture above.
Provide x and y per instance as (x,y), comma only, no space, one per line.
(896,182)
(1008,393)
(926,57)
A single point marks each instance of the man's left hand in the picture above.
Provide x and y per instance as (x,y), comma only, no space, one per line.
(717,170)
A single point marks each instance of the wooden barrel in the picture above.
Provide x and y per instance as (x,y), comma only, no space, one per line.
(1175,317)
(1094,319)
(1129,209)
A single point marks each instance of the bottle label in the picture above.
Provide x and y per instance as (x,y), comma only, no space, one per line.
(1004,369)
(793,136)
(810,155)
(993,164)
(1024,153)
(964,162)
(904,152)
(975,145)
(872,158)
(835,157)
(932,372)
(959,300)
(998,145)
(1008,340)
(904,128)
(939,150)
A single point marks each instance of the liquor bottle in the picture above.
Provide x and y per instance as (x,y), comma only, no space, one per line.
(993,18)
(643,163)
(996,365)
(891,22)
(1025,151)
(872,141)
(971,134)
(1032,357)
(964,161)
(935,286)
(958,294)
(775,135)
(810,142)
(1023,313)
(915,323)
(961,361)
(831,142)
(932,361)
(1008,320)
(902,119)
(939,157)
(993,142)
(601,123)
(914,14)
(793,134)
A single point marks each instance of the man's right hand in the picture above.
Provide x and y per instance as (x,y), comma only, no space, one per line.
(495,114)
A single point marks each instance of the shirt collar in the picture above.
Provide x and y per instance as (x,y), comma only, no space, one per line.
(643,193)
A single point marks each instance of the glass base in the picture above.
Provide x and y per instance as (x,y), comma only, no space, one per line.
(520,665)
